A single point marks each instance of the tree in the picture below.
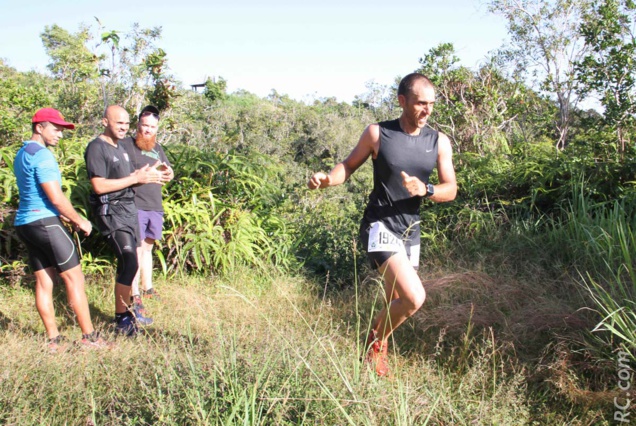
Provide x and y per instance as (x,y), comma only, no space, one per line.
(21,94)
(215,89)
(164,88)
(379,98)
(609,69)
(75,69)
(137,71)
(473,108)
(440,65)
(546,41)
(126,67)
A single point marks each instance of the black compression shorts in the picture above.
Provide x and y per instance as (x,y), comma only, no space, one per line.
(124,244)
(49,244)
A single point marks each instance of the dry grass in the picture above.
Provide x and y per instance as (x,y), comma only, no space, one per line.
(259,350)
(483,300)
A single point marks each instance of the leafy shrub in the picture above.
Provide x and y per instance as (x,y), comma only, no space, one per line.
(220,212)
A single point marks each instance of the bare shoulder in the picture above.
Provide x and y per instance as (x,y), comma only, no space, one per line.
(373,130)
(366,146)
(444,144)
(371,138)
(443,138)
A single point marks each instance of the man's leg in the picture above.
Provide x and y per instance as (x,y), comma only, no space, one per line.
(44,300)
(138,306)
(135,284)
(122,294)
(76,295)
(124,246)
(153,232)
(145,263)
(404,294)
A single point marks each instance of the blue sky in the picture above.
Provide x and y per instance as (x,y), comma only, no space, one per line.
(304,49)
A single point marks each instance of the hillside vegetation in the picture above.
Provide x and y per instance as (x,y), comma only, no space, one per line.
(530,273)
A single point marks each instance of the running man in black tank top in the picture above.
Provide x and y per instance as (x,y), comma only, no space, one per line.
(404,153)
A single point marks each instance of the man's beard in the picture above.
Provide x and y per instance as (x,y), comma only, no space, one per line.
(145,143)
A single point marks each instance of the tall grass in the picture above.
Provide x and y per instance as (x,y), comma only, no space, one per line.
(251,350)
(600,241)
(218,215)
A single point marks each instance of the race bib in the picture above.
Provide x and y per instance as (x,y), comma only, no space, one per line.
(381,239)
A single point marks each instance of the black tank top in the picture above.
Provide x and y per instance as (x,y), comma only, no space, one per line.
(389,202)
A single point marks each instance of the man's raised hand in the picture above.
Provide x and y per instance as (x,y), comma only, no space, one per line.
(413,185)
(319,180)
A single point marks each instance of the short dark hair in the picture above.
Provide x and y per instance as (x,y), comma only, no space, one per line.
(34,125)
(407,83)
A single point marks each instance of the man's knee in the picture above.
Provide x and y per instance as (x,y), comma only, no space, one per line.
(130,265)
(414,300)
(45,277)
(73,276)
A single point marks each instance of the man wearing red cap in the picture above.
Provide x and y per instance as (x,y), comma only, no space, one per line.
(38,225)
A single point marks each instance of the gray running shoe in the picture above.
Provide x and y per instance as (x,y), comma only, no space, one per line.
(94,341)
(58,344)
(140,315)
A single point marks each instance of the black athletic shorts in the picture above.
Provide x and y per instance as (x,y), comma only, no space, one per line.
(125,221)
(49,244)
(385,244)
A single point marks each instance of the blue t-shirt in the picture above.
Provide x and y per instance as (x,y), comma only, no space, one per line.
(33,166)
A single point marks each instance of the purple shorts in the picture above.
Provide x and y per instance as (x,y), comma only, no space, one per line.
(150,224)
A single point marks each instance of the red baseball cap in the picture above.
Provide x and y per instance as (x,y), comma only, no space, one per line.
(52,116)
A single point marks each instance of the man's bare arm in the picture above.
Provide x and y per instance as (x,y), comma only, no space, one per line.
(63,205)
(446,190)
(367,145)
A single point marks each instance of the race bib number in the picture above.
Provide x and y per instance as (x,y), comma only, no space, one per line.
(380,239)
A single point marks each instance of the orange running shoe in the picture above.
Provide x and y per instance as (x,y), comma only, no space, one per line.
(378,354)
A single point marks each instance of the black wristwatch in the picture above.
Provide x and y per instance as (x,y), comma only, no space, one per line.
(430,190)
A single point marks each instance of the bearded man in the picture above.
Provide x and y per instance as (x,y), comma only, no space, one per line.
(144,150)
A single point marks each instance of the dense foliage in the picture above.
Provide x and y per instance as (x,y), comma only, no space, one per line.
(532,165)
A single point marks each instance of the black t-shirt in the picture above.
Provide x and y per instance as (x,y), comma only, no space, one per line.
(389,202)
(115,209)
(147,196)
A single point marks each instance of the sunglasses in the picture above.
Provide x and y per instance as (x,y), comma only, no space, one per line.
(147,113)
